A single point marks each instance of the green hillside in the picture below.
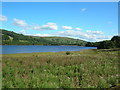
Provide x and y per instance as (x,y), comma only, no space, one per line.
(106,44)
(12,38)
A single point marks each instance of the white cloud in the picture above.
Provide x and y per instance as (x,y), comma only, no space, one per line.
(24,25)
(78,28)
(82,35)
(88,35)
(3,18)
(20,23)
(94,32)
(73,34)
(49,26)
(22,31)
(102,37)
(38,34)
(66,27)
(42,35)
(35,27)
(83,9)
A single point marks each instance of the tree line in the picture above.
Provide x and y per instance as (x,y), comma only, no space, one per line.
(107,44)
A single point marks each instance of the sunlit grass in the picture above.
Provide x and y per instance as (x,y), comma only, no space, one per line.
(79,69)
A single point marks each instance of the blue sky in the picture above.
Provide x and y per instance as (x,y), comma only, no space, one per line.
(90,21)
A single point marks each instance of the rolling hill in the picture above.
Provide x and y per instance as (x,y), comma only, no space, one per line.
(12,38)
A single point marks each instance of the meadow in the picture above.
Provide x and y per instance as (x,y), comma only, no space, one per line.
(76,69)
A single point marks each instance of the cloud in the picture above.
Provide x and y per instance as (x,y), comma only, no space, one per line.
(66,27)
(73,34)
(24,25)
(3,18)
(22,32)
(89,35)
(20,23)
(102,37)
(78,28)
(35,27)
(94,32)
(83,9)
(38,34)
(49,26)
(82,35)
(78,35)
(42,35)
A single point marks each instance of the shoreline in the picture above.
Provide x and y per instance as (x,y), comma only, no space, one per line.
(43,45)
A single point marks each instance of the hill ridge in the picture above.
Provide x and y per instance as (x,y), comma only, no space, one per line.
(12,38)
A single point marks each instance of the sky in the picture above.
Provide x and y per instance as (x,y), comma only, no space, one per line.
(90,21)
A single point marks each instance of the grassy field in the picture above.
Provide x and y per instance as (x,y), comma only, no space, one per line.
(78,69)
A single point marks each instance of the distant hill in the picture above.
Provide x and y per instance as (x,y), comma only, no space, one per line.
(12,38)
(106,44)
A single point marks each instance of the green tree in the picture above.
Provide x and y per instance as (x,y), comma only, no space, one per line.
(116,41)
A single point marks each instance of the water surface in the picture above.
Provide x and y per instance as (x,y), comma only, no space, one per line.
(12,49)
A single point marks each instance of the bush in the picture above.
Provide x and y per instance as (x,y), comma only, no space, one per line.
(67,53)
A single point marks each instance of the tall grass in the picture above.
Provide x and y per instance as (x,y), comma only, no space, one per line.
(80,69)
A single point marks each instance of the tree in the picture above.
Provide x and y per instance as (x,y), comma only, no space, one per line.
(116,41)
(106,45)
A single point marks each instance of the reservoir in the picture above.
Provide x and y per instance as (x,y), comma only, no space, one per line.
(13,49)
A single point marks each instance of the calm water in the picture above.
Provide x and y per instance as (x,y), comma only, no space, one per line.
(12,49)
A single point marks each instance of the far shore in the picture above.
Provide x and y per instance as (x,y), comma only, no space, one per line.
(52,45)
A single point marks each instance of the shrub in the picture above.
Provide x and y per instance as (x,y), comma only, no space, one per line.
(67,53)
